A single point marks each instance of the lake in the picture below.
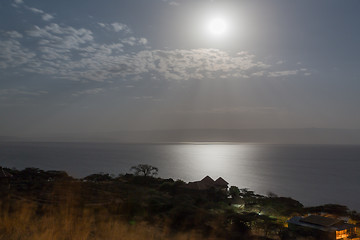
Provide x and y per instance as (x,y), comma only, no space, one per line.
(312,174)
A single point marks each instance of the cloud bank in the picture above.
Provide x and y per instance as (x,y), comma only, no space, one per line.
(79,54)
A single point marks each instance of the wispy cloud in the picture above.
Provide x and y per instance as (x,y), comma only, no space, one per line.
(59,37)
(89,92)
(133,41)
(231,110)
(35,10)
(16,3)
(13,54)
(116,27)
(20,91)
(197,63)
(45,16)
(119,27)
(66,52)
(14,34)
(172,2)
(283,73)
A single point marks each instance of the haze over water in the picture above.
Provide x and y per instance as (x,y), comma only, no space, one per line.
(312,174)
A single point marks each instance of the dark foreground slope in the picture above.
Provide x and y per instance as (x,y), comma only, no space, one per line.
(38,204)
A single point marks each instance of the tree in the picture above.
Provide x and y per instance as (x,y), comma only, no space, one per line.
(335,209)
(98,177)
(144,170)
(234,192)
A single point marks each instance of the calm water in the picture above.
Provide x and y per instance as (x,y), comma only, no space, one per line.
(308,173)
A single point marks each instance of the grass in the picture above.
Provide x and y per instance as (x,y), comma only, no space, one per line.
(69,219)
(23,220)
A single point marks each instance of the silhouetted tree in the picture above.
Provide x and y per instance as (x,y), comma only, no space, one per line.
(246,193)
(280,206)
(144,170)
(234,192)
(54,175)
(98,177)
(336,209)
(272,195)
(32,174)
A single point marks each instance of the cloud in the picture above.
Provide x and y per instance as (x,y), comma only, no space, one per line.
(66,52)
(170,65)
(172,2)
(259,74)
(115,26)
(133,41)
(45,16)
(119,27)
(102,25)
(287,73)
(142,97)
(89,92)
(143,41)
(129,41)
(13,54)
(16,3)
(197,63)
(19,91)
(14,34)
(231,110)
(61,38)
(35,10)
(283,73)
(240,110)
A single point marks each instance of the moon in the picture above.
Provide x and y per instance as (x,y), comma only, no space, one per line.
(217,26)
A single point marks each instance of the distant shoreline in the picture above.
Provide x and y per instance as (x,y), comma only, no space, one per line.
(190,143)
(254,136)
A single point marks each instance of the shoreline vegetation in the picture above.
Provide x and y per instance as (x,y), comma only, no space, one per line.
(41,205)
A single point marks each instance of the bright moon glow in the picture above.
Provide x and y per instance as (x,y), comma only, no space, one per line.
(217,26)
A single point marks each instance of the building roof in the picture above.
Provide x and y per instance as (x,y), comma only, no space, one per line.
(207,181)
(221,182)
(321,223)
(320,220)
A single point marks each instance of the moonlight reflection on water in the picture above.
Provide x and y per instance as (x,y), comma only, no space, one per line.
(312,174)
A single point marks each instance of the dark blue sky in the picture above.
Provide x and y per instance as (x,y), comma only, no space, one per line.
(100,66)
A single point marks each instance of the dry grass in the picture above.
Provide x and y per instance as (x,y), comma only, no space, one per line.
(26,220)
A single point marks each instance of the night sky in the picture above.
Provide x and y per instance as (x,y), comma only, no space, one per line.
(100,66)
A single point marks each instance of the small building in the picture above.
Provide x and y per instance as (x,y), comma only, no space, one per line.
(220,183)
(207,183)
(323,227)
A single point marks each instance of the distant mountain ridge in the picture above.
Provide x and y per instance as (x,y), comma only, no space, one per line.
(274,136)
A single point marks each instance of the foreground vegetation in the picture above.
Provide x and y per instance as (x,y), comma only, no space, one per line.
(37,204)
